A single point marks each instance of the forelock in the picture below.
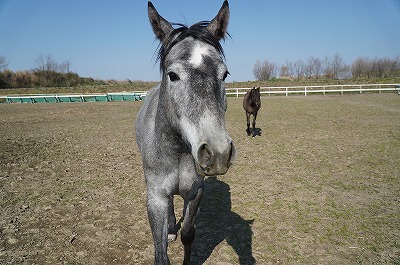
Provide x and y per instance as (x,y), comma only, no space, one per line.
(197,31)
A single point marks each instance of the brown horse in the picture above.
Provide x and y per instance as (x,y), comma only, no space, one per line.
(251,104)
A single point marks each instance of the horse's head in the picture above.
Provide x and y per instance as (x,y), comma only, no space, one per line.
(192,91)
(255,96)
(256,91)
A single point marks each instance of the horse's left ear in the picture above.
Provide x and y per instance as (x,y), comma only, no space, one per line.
(219,25)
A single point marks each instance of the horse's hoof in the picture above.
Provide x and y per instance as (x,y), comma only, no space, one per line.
(171,238)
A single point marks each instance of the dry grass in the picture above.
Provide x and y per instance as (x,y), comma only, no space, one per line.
(321,185)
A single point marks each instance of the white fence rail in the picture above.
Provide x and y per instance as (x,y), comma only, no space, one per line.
(305,90)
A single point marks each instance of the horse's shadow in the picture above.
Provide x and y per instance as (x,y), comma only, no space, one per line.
(217,222)
(256,132)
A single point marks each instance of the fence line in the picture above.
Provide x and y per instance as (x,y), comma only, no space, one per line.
(323,89)
(57,98)
(139,95)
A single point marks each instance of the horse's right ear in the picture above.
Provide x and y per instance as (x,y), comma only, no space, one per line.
(161,27)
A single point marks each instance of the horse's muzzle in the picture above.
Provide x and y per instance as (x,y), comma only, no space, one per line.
(212,161)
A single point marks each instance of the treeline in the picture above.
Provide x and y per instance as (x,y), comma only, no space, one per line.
(33,78)
(364,67)
(46,73)
(329,67)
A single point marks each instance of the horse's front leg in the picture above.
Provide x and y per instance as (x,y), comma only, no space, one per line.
(188,230)
(157,211)
(248,122)
(254,122)
(173,227)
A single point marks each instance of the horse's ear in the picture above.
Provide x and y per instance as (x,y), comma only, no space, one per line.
(161,27)
(219,25)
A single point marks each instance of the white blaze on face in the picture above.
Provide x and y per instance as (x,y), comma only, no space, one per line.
(196,58)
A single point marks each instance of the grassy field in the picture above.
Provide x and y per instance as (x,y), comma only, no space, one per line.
(320,185)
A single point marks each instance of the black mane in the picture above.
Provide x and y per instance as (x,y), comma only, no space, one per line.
(197,31)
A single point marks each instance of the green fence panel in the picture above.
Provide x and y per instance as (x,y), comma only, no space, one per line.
(74,98)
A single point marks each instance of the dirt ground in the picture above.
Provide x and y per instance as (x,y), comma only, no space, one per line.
(320,184)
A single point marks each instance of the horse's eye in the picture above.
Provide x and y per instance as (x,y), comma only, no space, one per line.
(226,75)
(173,77)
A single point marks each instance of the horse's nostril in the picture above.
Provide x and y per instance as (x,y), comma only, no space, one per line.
(232,154)
(204,154)
(212,162)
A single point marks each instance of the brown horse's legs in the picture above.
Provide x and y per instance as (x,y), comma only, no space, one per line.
(248,123)
(254,122)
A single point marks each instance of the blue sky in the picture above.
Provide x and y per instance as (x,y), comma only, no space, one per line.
(114,40)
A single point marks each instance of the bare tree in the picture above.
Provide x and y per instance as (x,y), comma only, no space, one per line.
(359,68)
(3,63)
(327,67)
(298,69)
(46,63)
(264,70)
(65,66)
(284,71)
(309,67)
(397,65)
(315,66)
(318,67)
(378,67)
(392,67)
(338,66)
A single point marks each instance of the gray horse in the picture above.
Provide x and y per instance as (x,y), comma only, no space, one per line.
(180,129)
